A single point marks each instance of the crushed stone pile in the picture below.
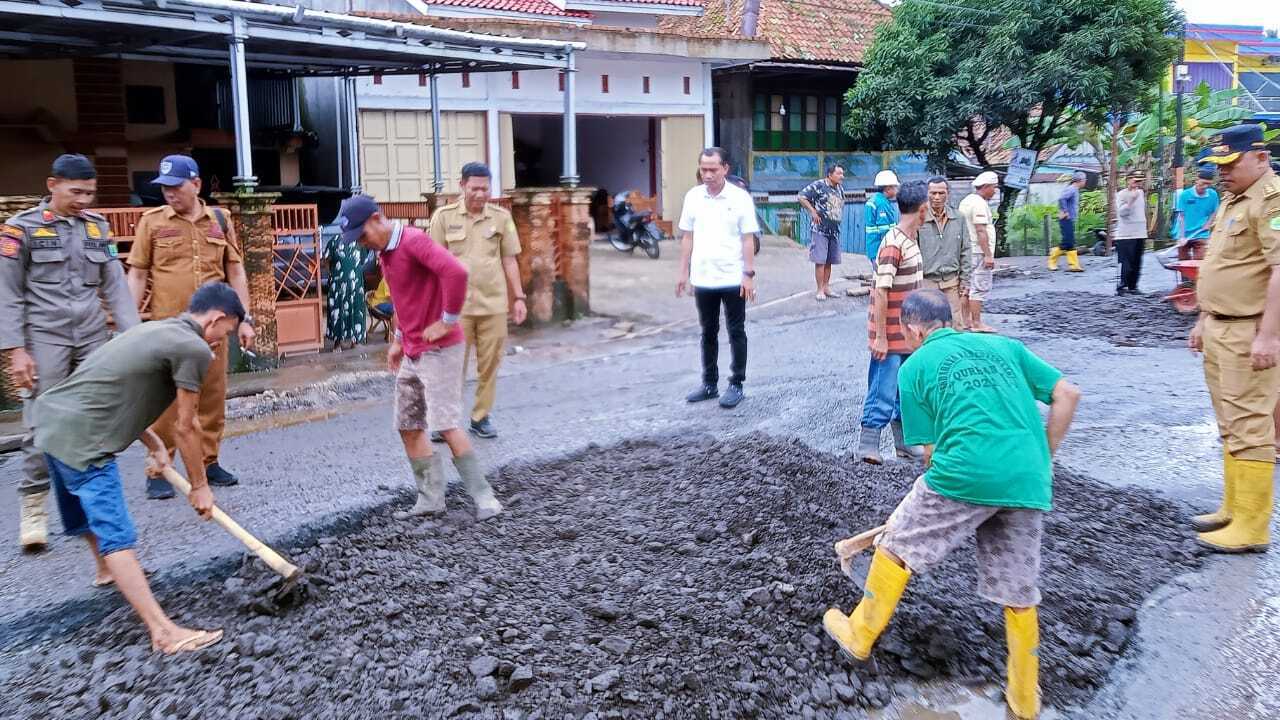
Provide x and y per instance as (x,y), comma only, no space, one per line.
(677,578)
(1128,320)
(347,387)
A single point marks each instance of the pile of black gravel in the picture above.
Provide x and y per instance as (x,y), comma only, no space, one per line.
(675,579)
(1126,320)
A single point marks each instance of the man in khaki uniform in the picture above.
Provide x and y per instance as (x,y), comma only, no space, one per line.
(58,268)
(483,237)
(1239,333)
(180,247)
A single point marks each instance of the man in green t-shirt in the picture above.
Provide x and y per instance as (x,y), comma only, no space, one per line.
(112,399)
(970,399)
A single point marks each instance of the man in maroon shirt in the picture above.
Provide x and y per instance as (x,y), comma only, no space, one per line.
(428,287)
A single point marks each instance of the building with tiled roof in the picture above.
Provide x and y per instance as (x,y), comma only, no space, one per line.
(838,31)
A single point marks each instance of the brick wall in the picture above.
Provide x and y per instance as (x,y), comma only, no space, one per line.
(100,113)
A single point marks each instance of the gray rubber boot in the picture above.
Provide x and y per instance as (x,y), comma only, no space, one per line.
(473,480)
(869,445)
(900,446)
(428,474)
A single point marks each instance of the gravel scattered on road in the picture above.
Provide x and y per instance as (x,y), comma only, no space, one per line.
(1126,320)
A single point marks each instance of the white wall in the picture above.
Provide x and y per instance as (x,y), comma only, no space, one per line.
(539,90)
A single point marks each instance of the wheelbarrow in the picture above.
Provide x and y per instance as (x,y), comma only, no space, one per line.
(1183,298)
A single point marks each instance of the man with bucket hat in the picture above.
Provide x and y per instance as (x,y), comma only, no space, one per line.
(179,247)
(1239,334)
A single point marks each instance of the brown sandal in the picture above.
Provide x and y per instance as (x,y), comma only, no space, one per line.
(199,641)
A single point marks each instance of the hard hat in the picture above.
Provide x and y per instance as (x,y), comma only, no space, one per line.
(986,178)
(885,178)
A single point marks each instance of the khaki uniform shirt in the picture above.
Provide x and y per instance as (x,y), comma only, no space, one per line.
(55,275)
(480,243)
(182,255)
(1243,248)
(945,247)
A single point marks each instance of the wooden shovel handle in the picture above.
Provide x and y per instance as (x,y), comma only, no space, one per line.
(285,568)
(849,547)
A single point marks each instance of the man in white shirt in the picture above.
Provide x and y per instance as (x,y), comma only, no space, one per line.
(717,260)
(976,211)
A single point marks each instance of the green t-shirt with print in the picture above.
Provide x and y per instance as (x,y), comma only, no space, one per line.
(973,396)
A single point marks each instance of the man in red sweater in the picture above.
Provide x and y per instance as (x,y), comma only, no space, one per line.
(428,287)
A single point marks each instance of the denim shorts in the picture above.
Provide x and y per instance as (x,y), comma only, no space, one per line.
(93,502)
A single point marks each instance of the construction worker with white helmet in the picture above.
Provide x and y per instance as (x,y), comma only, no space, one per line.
(881,212)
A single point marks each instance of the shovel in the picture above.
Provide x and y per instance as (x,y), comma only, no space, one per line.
(290,573)
(849,548)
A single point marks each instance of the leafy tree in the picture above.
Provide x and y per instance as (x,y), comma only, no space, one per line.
(963,73)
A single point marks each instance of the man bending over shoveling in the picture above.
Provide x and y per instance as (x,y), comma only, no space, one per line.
(110,401)
(970,399)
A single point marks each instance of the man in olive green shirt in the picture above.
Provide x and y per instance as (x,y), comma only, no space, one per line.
(970,399)
(112,399)
(483,237)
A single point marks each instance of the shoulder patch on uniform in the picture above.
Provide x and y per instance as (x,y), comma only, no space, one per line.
(9,246)
(44,232)
(12,231)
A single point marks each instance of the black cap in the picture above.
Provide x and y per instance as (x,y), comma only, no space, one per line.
(73,167)
(1225,147)
(352,215)
(1206,174)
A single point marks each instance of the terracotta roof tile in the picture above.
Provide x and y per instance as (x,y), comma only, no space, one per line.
(806,30)
(528,7)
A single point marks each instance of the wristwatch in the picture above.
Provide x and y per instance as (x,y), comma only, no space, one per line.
(247,319)
(749,273)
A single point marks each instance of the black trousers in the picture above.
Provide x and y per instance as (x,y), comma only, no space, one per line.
(709,301)
(1129,252)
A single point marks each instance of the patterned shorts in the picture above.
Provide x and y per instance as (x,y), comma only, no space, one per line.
(429,390)
(926,526)
(979,279)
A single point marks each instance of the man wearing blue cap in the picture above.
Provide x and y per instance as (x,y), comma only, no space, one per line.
(428,288)
(58,268)
(1239,334)
(179,247)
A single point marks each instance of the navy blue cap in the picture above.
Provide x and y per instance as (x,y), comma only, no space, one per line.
(1225,147)
(177,169)
(352,215)
(73,167)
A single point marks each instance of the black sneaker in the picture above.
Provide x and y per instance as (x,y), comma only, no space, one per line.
(706,392)
(218,477)
(436,436)
(483,428)
(732,397)
(159,489)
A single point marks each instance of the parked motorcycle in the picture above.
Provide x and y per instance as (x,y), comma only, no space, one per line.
(632,229)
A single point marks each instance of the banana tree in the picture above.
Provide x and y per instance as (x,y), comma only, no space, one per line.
(1204,112)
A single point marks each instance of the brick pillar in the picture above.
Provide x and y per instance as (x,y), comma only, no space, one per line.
(251,215)
(536,223)
(100,126)
(576,227)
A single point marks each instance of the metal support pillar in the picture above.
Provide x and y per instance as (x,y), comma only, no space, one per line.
(353,135)
(244,180)
(570,177)
(437,169)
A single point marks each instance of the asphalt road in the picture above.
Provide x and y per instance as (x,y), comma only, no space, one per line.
(1145,420)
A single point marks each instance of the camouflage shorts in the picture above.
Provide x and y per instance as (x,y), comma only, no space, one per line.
(429,390)
(926,526)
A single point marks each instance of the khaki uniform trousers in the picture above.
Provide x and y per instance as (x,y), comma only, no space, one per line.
(212,411)
(1243,398)
(950,288)
(487,336)
(54,363)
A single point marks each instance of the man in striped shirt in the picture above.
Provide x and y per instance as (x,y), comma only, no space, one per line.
(899,270)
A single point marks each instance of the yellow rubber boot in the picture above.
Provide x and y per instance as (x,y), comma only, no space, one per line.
(1250,526)
(1073,262)
(1220,517)
(856,633)
(33,527)
(1054,254)
(1022,632)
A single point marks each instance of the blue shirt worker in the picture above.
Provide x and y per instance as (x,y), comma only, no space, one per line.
(59,275)
(971,399)
(1193,215)
(881,213)
(1068,212)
